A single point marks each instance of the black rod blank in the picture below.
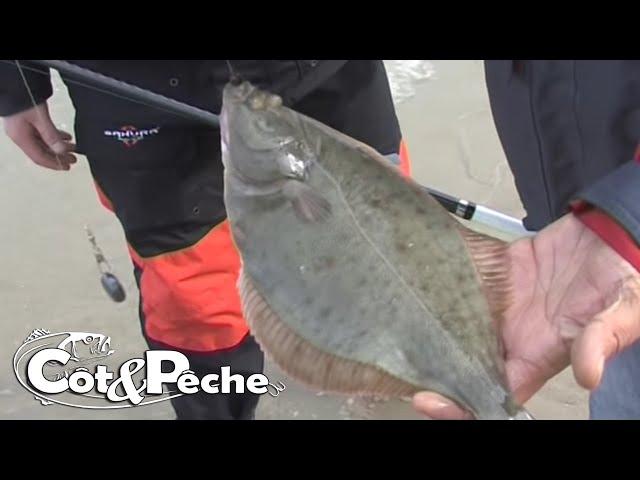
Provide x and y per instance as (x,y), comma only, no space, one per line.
(129,91)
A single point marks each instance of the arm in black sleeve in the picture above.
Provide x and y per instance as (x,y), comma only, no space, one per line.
(14,95)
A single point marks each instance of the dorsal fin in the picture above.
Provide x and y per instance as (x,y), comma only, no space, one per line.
(491,258)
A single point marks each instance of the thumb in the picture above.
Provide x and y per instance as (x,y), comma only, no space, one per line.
(50,135)
(610,332)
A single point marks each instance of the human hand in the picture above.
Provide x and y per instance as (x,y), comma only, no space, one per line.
(576,302)
(36,135)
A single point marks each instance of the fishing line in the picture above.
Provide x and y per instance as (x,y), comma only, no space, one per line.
(109,281)
(459,207)
(205,116)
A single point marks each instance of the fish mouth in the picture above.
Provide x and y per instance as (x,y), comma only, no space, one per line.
(251,96)
(239,93)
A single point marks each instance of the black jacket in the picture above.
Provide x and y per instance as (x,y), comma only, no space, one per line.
(169,177)
(197,82)
(569,129)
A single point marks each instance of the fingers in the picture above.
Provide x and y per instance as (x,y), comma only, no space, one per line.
(54,154)
(53,138)
(66,136)
(34,132)
(611,331)
(438,407)
(35,148)
(62,159)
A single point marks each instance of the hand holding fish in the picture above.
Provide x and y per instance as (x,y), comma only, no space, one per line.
(576,302)
(356,281)
(34,132)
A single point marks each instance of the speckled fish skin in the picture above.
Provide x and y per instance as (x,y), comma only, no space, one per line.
(354,258)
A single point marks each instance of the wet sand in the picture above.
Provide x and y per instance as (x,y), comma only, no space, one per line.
(49,278)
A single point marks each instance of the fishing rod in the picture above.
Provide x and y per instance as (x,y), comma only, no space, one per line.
(460,207)
(128,91)
(468,210)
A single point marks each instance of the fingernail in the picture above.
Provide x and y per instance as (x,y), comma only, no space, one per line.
(440,404)
(434,402)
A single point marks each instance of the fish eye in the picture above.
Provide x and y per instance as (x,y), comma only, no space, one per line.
(88,339)
(303,147)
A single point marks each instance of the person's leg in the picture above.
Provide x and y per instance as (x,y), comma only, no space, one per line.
(167,192)
(618,396)
(188,303)
(166,189)
(244,359)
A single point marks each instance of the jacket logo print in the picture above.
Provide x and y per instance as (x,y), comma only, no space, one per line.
(130,135)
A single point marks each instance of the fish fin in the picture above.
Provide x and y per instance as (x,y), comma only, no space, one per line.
(307,363)
(491,259)
(308,205)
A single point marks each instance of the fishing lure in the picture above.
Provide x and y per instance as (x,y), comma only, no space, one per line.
(109,281)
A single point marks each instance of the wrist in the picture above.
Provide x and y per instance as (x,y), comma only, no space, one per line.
(609,231)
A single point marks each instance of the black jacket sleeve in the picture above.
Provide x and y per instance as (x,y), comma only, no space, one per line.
(14,95)
(618,195)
